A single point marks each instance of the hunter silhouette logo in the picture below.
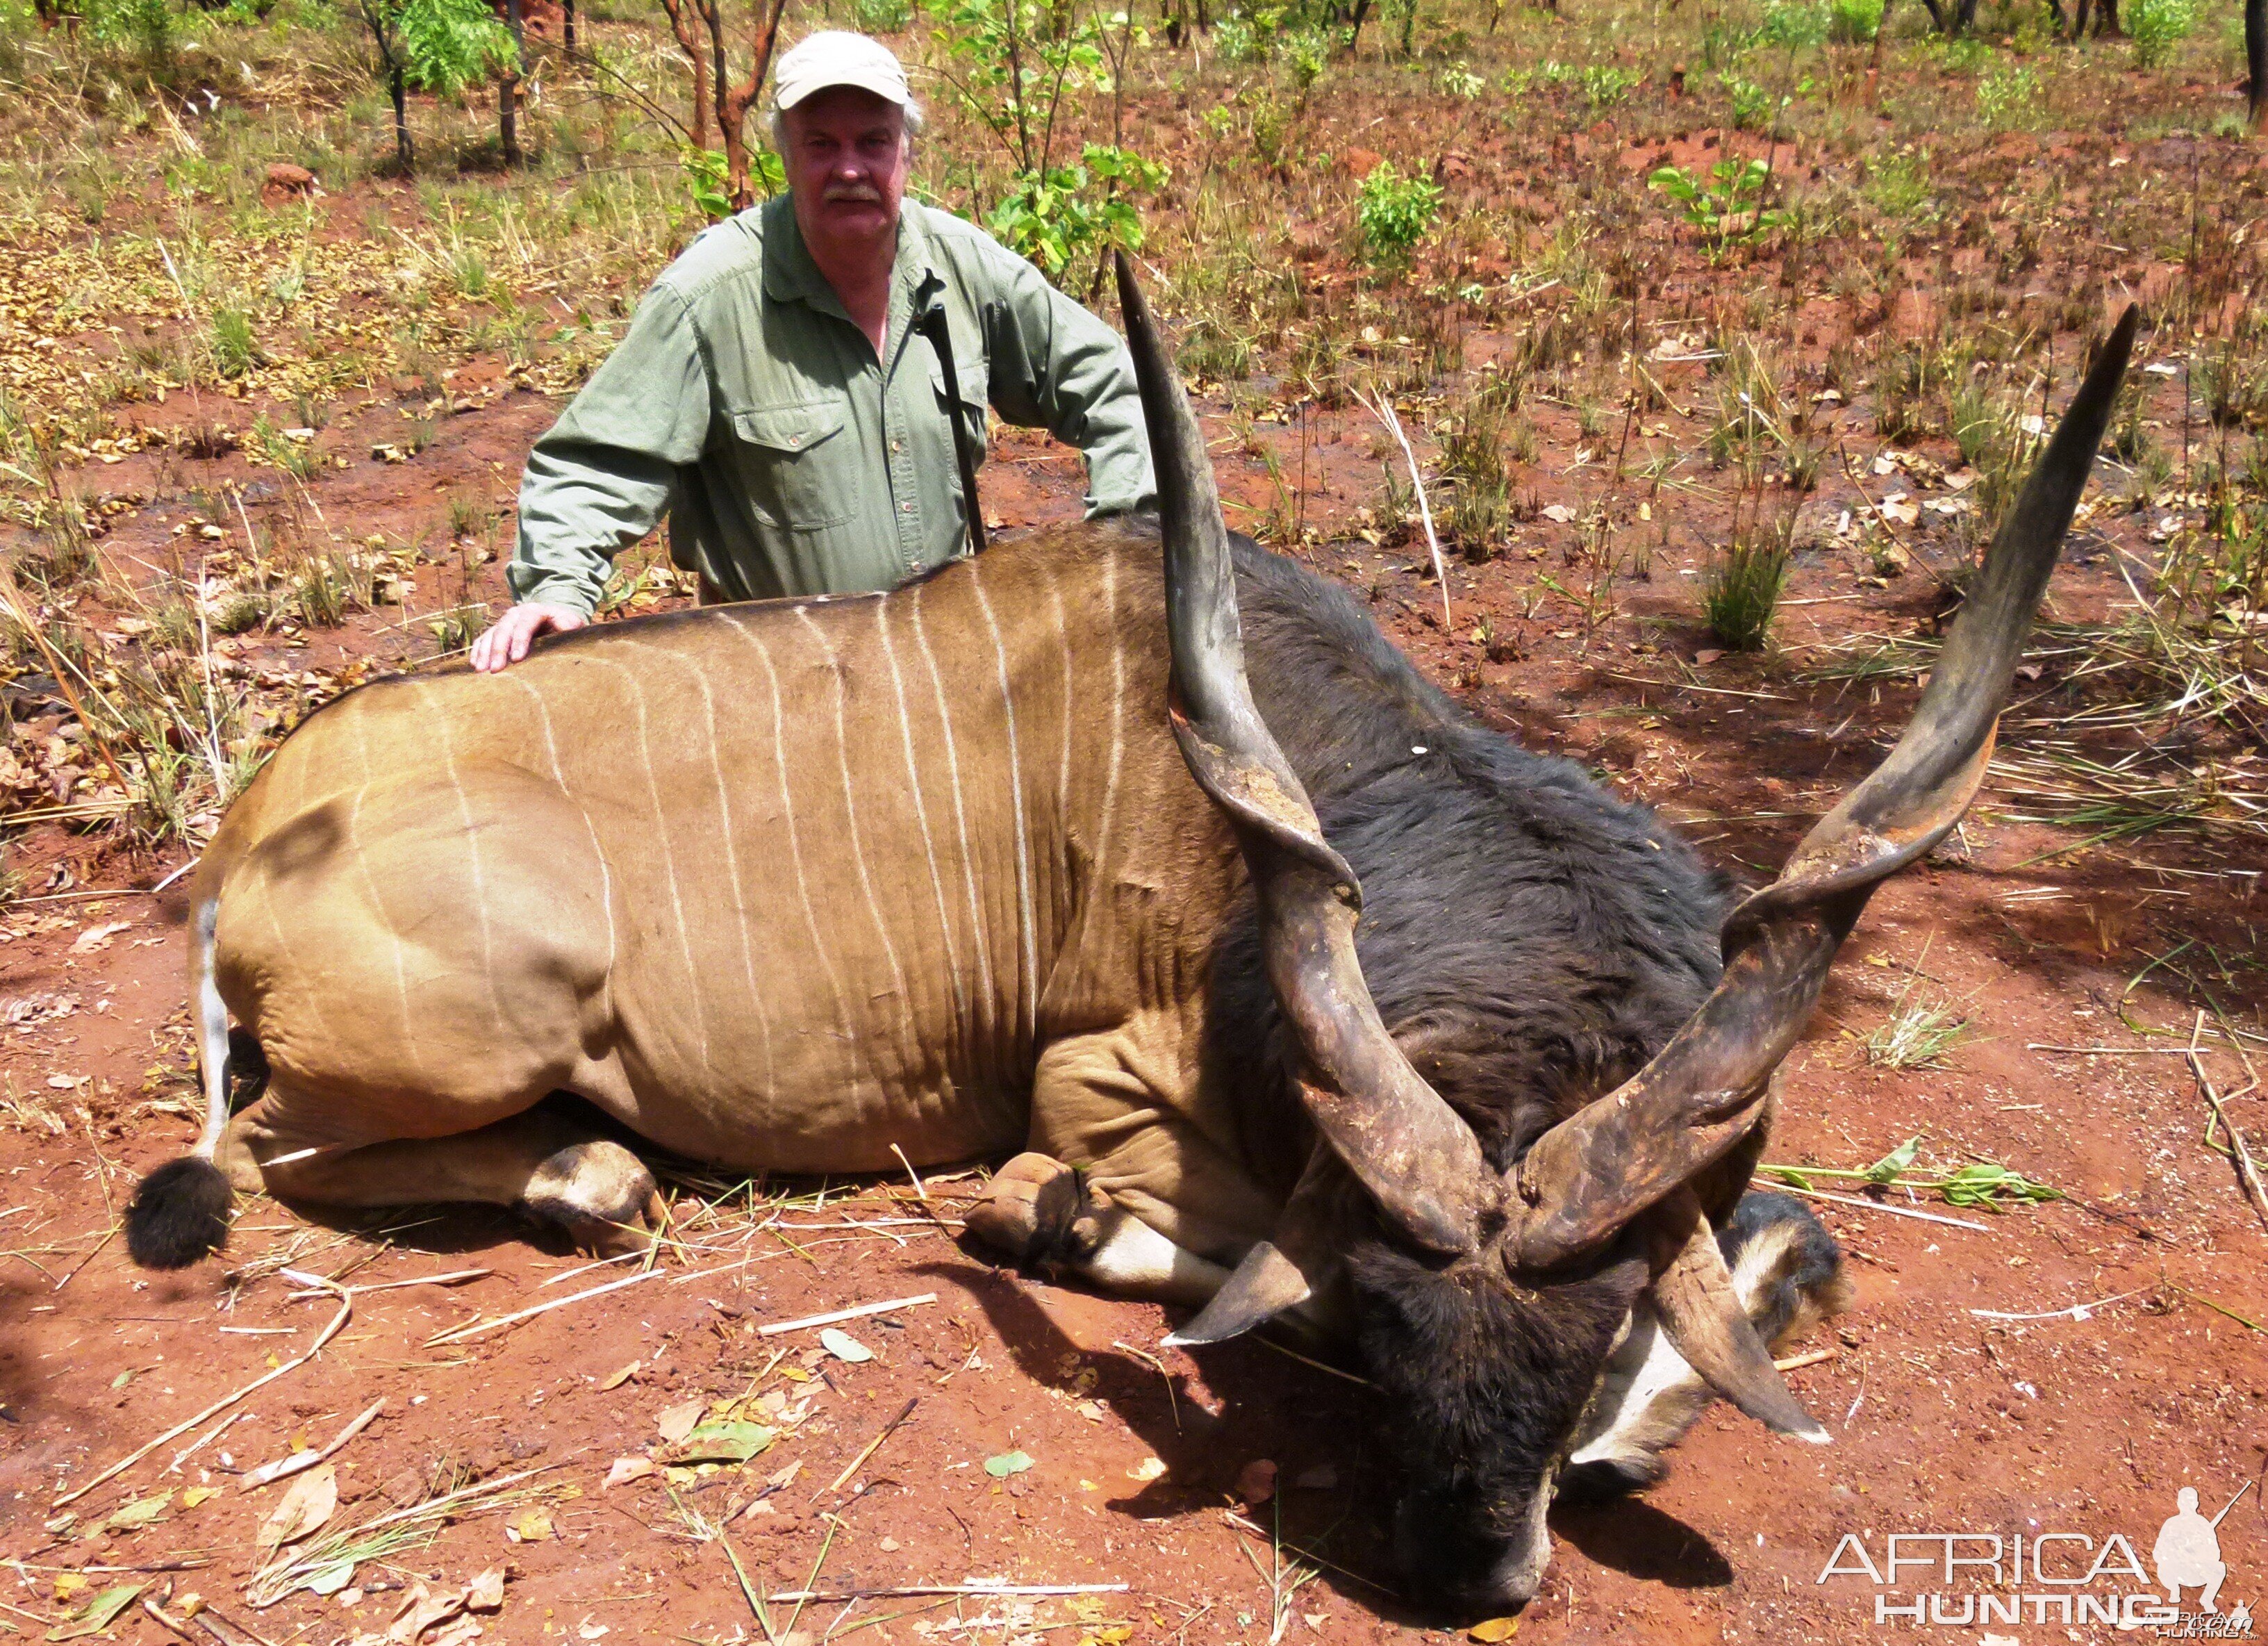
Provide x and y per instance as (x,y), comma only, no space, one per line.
(2054,1576)
(2188,1550)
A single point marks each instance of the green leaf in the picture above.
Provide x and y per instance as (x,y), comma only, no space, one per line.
(98,1613)
(1896,1161)
(1007,1464)
(1673,182)
(1789,1174)
(722,1442)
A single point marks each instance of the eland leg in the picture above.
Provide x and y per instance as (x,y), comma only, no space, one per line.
(1042,1213)
(540,1162)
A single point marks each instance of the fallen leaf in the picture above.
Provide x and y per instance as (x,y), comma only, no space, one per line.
(843,1347)
(1007,1464)
(628,1469)
(68,1583)
(617,1379)
(1559,512)
(1149,1469)
(419,1611)
(124,1377)
(535,1526)
(96,1615)
(306,1507)
(1707,656)
(722,1442)
(677,1421)
(456,1634)
(785,1478)
(197,1494)
(1494,1630)
(98,937)
(485,1593)
(1089,1608)
(140,1512)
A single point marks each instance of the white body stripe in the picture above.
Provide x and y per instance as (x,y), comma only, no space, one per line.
(1028,988)
(921,815)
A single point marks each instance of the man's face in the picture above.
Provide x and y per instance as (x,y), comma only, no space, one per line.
(846,164)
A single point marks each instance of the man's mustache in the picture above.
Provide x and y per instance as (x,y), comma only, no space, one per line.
(865,192)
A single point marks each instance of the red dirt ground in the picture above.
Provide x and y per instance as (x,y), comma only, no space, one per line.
(1945,1420)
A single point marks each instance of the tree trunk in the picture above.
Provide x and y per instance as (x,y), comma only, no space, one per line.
(567,23)
(1875,61)
(684,19)
(2256,63)
(733,101)
(508,88)
(399,88)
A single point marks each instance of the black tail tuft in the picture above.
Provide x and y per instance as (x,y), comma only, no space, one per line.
(179,1215)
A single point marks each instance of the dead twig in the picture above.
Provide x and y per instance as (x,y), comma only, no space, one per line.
(874,1444)
(1796,1362)
(1877,1206)
(458,1334)
(828,1597)
(299,1461)
(859,1313)
(2246,1173)
(346,1312)
(1383,411)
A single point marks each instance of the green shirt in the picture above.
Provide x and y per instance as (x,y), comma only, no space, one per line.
(745,405)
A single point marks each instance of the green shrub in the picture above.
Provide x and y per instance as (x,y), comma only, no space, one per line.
(1752,105)
(1742,595)
(1306,54)
(1396,211)
(1461,83)
(2008,96)
(882,16)
(1604,85)
(2157,27)
(234,350)
(1854,22)
(1788,24)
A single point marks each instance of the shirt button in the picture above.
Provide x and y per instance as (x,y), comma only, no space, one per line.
(897,445)
(906,507)
(794,440)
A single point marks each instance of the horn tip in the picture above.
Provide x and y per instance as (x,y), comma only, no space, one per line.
(1816,1434)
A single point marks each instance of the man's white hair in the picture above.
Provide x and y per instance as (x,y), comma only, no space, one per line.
(912,110)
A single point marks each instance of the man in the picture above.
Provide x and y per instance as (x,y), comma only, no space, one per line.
(776,397)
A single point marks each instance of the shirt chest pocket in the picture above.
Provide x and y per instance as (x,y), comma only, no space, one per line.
(799,465)
(968,413)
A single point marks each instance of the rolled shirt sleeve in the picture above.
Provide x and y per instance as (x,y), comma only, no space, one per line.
(607,472)
(1055,366)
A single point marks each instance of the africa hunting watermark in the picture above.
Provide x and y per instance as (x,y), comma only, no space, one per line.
(1949,1578)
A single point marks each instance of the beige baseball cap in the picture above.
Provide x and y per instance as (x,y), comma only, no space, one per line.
(836,57)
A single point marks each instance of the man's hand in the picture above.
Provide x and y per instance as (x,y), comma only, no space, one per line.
(508,640)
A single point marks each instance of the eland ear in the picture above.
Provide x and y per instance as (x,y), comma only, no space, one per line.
(1285,1272)
(1702,1315)
(1265,1284)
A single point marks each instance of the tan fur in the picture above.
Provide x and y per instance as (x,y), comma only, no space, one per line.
(777,886)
